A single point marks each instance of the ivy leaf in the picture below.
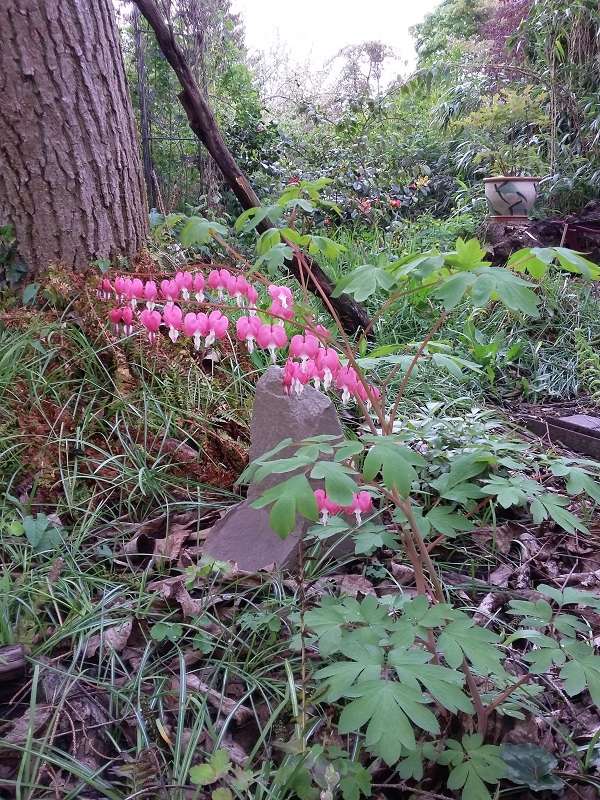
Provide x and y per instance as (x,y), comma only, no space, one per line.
(531,766)
(387,706)
(364,281)
(339,486)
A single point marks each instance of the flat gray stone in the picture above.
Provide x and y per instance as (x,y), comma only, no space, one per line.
(243,535)
(584,422)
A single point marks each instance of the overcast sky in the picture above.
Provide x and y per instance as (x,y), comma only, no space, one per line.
(318,29)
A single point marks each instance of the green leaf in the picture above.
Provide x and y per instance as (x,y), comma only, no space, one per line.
(339,486)
(581,671)
(531,766)
(463,639)
(453,289)
(387,706)
(327,247)
(444,519)
(267,240)
(254,216)
(364,281)
(575,262)
(169,631)
(275,258)
(443,684)
(467,255)
(42,534)
(394,461)
(291,497)
(30,293)
(198,230)
(340,676)
(217,766)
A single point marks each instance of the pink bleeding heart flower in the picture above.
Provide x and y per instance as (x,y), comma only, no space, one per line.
(246,329)
(217,324)
(218,280)
(127,317)
(237,288)
(304,347)
(173,317)
(115,316)
(185,283)
(271,337)
(328,362)
(170,291)
(198,286)
(104,289)
(362,502)
(325,506)
(281,295)
(120,286)
(251,297)
(294,377)
(366,396)
(281,313)
(137,290)
(196,326)
(150,294)
(151,321)
(346,380)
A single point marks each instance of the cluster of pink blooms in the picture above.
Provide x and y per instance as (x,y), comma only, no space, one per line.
(322,365)
(362,503)
(153,305)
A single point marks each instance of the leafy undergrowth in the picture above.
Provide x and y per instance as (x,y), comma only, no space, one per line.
(156,673)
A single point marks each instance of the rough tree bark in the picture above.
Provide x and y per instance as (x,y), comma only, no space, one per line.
(70,176)
(202,121)
(142,89)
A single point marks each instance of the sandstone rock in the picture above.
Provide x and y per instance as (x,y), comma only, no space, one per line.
(243,535)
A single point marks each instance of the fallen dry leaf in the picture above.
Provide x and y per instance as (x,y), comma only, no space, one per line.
(501,575)
(224,704)
(355,585)
(114,638)
(402,573)
(20,727)
(170,547)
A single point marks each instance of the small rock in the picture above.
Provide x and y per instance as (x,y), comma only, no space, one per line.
(243,535)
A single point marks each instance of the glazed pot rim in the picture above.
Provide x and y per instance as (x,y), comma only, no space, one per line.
(512,178)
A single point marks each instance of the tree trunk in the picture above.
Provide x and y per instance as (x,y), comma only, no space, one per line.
(70,177)
(142,88)
(202,121)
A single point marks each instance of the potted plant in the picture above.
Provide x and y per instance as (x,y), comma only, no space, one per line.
(511,193)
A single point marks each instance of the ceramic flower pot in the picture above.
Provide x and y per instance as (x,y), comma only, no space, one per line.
(510,199)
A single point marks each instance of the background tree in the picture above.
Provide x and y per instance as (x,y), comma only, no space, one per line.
(70,181)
